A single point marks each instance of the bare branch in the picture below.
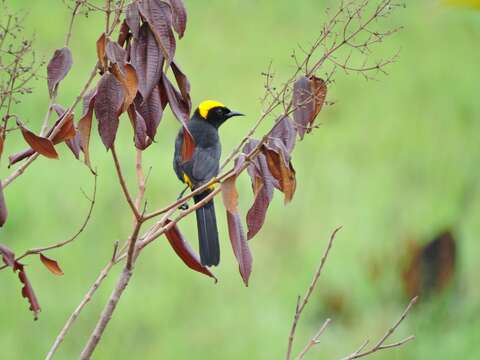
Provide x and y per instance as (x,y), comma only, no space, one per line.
(301,305)
(380,345)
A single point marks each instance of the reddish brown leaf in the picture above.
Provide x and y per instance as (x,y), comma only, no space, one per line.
(3,207)
(74,145)
(147,59)
(58,67)
(159,17)
(132,18)
(101,51)
(27,290)
(179,17)
(2,141)
(239,245)
(281,168)
(140,138)
(108,105)
(188,145)
(40,144)
(51,265)
(230,194)
(286,132)
(151,110)
(183,84)
(8,256)
(116,54)
(129,80)
(263,184)
(123,34)
(180,107)
(308,98)
(66,132)
(85,124)
(185,252)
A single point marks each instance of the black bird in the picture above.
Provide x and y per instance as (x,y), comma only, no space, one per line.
(197,165)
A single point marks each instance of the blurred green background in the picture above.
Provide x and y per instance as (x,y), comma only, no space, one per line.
(393,160)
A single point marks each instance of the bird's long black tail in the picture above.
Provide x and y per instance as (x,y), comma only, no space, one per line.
(207,231)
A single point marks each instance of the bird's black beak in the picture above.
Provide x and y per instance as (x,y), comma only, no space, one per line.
(233,113)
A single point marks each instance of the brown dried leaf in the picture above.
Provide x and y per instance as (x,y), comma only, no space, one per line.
(3,207)
(140,138)
(158,15)
(51,265)
(116,54)
(40,144)
(147,59)
(101,52)
(282,170)
(58,67)
(183,84)
(67,131)
(179,17)
(8,256)
(239,245)
(188,145)
(132,18)
(85,125)
(151,110)
(108,105)
(27,290)
(230,194)
(285,131)
(308,98)
(185,252)
(180,107)
(129,80)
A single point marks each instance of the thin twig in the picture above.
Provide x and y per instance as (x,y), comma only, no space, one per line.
(301,305)
(314,340)
(123,184)
(71,239)
(380,345)
(87,297)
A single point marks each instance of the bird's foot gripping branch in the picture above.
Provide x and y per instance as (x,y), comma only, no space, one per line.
(139,78)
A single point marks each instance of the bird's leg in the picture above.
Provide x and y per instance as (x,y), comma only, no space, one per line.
(184,206)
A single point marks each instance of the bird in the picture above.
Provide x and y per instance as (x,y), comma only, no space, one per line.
(196,164)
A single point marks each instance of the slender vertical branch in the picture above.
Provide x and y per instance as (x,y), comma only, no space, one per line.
(301,305)
(106,314)
(73,317)
(123,184)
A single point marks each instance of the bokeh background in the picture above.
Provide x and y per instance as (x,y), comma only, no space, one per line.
(395,162)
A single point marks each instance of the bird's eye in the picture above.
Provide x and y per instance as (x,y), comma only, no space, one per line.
(219,111)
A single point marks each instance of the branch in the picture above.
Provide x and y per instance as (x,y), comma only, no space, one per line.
(123,184)
(68,241)
(381,343)
(76,312)
(301,306)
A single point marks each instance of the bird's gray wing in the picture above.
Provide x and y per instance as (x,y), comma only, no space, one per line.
(205,165)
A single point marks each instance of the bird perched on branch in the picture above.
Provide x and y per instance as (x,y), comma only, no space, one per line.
(196,162)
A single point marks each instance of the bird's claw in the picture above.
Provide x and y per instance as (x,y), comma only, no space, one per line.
(184,206)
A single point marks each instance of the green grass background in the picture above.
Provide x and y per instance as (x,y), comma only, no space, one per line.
(393,160)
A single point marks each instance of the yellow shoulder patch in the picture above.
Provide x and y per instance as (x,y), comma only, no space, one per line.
(206,105)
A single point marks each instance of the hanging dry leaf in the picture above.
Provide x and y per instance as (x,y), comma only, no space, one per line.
(179,16)
(108,105)
(58,67)
(40,144)
(3,207)
(159,17)
(147,59)
(308,98)
(101,52)
(185,252)
(51,265)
